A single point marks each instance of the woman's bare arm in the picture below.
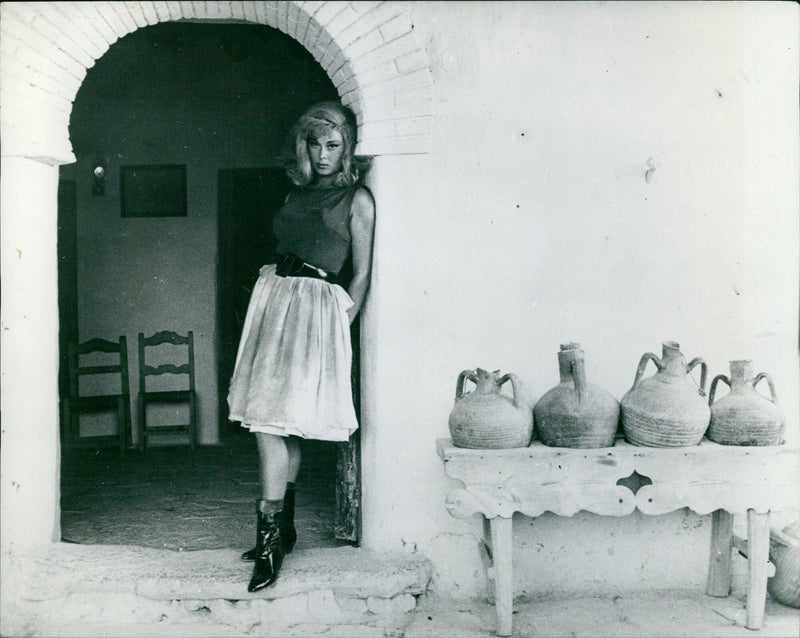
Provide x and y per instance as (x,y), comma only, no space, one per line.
(362,231)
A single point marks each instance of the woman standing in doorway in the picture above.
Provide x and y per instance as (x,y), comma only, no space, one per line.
(292,374)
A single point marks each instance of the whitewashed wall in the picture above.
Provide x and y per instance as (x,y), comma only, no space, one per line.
(616,174)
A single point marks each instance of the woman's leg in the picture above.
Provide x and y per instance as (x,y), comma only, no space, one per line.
(273,462)
(279,463)
(294,457)
(273,468)
(288,531)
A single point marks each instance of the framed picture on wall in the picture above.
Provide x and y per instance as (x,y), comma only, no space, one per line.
(153,190)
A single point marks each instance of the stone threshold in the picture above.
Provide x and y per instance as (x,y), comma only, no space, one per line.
(84,589)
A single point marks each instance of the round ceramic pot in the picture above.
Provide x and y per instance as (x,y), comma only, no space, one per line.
(485,418)
(784,552)
(667,409)
(744,416)
(574,413)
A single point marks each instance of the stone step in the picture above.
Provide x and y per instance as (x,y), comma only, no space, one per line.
(80,589)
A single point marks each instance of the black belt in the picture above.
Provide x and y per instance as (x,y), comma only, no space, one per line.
(292,266)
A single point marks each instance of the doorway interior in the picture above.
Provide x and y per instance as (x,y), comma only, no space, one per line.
(190,93)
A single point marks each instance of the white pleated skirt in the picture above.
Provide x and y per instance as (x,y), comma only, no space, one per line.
(292,373)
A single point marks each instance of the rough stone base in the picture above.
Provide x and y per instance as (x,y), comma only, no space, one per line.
(96,590)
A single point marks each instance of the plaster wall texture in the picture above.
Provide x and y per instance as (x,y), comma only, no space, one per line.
(27,258)
(613,174)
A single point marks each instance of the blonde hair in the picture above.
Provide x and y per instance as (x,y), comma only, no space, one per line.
(321,119)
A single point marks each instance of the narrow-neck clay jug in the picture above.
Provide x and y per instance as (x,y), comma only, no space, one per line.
(487,419)
(667,409)
(575,414)
(744,416)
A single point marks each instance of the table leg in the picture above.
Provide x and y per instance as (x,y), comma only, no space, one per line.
(719,563)
(757,567)
(486,556)
(503,574)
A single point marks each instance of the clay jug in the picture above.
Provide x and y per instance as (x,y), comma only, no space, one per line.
(667,409)
(487,418)
(574,413)
(745,417)
(784,552)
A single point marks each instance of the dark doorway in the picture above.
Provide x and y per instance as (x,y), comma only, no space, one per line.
(67,279)
(212,97)
(248,199)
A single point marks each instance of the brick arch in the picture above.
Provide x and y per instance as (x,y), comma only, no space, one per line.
(368,49)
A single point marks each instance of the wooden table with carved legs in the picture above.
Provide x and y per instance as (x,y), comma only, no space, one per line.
(615,481)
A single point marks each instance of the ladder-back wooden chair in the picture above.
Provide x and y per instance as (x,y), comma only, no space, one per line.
(95,363)
(169,345)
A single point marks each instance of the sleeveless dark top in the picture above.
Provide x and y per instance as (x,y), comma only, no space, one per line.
(314,225)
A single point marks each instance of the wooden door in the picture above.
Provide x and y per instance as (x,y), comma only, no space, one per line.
(348,459)
(247,201)
(67,251)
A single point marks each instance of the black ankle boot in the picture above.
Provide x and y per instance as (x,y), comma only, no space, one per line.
(286,524)
(269,552)
(288,532)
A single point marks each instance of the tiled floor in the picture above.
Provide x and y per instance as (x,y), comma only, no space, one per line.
(165,499)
